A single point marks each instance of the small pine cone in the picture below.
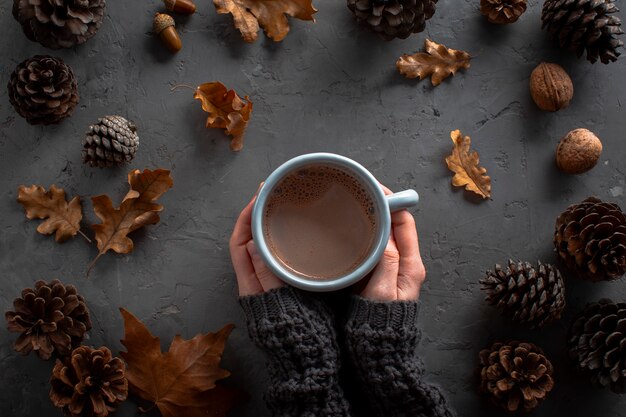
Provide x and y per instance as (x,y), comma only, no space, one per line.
(515,376)
(502,11)
(597,344)
(529,295)
(112,141)
(52,317)
(91,383)
(43,90)
(59,23)
(590,238)
(584,25)
(393,18)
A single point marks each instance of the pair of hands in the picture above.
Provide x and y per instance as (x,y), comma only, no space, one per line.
(398,276)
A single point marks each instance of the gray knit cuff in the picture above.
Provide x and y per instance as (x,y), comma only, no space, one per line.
(383,315)
(272,303)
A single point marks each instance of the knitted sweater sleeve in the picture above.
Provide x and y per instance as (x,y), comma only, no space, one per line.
(381,338)
(297,335)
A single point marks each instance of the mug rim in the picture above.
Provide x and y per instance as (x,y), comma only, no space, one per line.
(380,240)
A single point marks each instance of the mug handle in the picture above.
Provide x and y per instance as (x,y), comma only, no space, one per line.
(402,200)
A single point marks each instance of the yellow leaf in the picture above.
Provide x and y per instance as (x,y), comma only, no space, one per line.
(438,62)
(465,166)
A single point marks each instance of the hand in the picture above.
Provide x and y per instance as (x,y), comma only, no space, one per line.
(253,276)
(400,273)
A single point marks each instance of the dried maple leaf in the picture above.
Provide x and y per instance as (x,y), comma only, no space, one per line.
(226,110)
(138,209)
(180,382)
(62,218)
(465,166)
(270,14)
(438,62)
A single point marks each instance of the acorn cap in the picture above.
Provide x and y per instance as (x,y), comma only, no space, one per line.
(169,4)
(162,21)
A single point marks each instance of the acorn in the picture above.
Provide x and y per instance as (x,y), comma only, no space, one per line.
(165,27)
(180,6)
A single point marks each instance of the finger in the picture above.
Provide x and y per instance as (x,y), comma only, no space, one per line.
(247,281)
(382,286)
(411,272)
(386,190)
(267,279)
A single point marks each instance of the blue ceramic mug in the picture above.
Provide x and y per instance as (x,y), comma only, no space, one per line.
(384,206)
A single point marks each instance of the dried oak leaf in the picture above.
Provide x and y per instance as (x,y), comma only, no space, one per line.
(62,218)
(226,110)
(270,14)
(465,166)
(182,381)
(138,209)
(438,62)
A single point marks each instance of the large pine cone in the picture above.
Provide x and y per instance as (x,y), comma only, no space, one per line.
(515,375)
(393,18)
(52,317)
(597,343)
(43,90)
(111,141)
(529,295)
(591,238)
(59,24)
(91,383)
(584,24)
(502,11)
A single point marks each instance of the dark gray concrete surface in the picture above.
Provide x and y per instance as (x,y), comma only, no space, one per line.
(329,86)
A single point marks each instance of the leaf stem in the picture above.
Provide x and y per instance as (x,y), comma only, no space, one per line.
(93,263)
(85,236)
(177,86)
(147,410)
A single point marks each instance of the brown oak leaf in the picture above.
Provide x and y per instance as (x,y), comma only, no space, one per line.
(438,62)
(138,209)
(226,111)
(466,168)
(270,14)
(62,218)
(182,381)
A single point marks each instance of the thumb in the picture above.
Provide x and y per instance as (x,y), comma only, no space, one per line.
(267,279)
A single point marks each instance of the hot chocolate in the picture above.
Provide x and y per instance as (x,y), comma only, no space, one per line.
(320,222)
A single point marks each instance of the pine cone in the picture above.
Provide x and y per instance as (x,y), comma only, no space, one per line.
(59,24)
(90,384)
(591,238)
(111,141)
(529,295)
(597,343)
(43,90)
(515,375)
(584,24)
(393,18)
(502,11)
(52,317)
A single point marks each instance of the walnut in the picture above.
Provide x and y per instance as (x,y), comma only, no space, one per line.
(551,87)
(578,151)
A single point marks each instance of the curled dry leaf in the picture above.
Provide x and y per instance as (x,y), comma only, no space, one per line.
(271,15)
(437,61)
(138,209)
(182,381)
(226,110)
(465,166)
(62,218)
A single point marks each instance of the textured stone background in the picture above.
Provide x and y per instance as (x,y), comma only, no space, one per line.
(329,86)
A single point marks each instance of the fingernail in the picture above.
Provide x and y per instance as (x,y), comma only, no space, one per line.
(259,189)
